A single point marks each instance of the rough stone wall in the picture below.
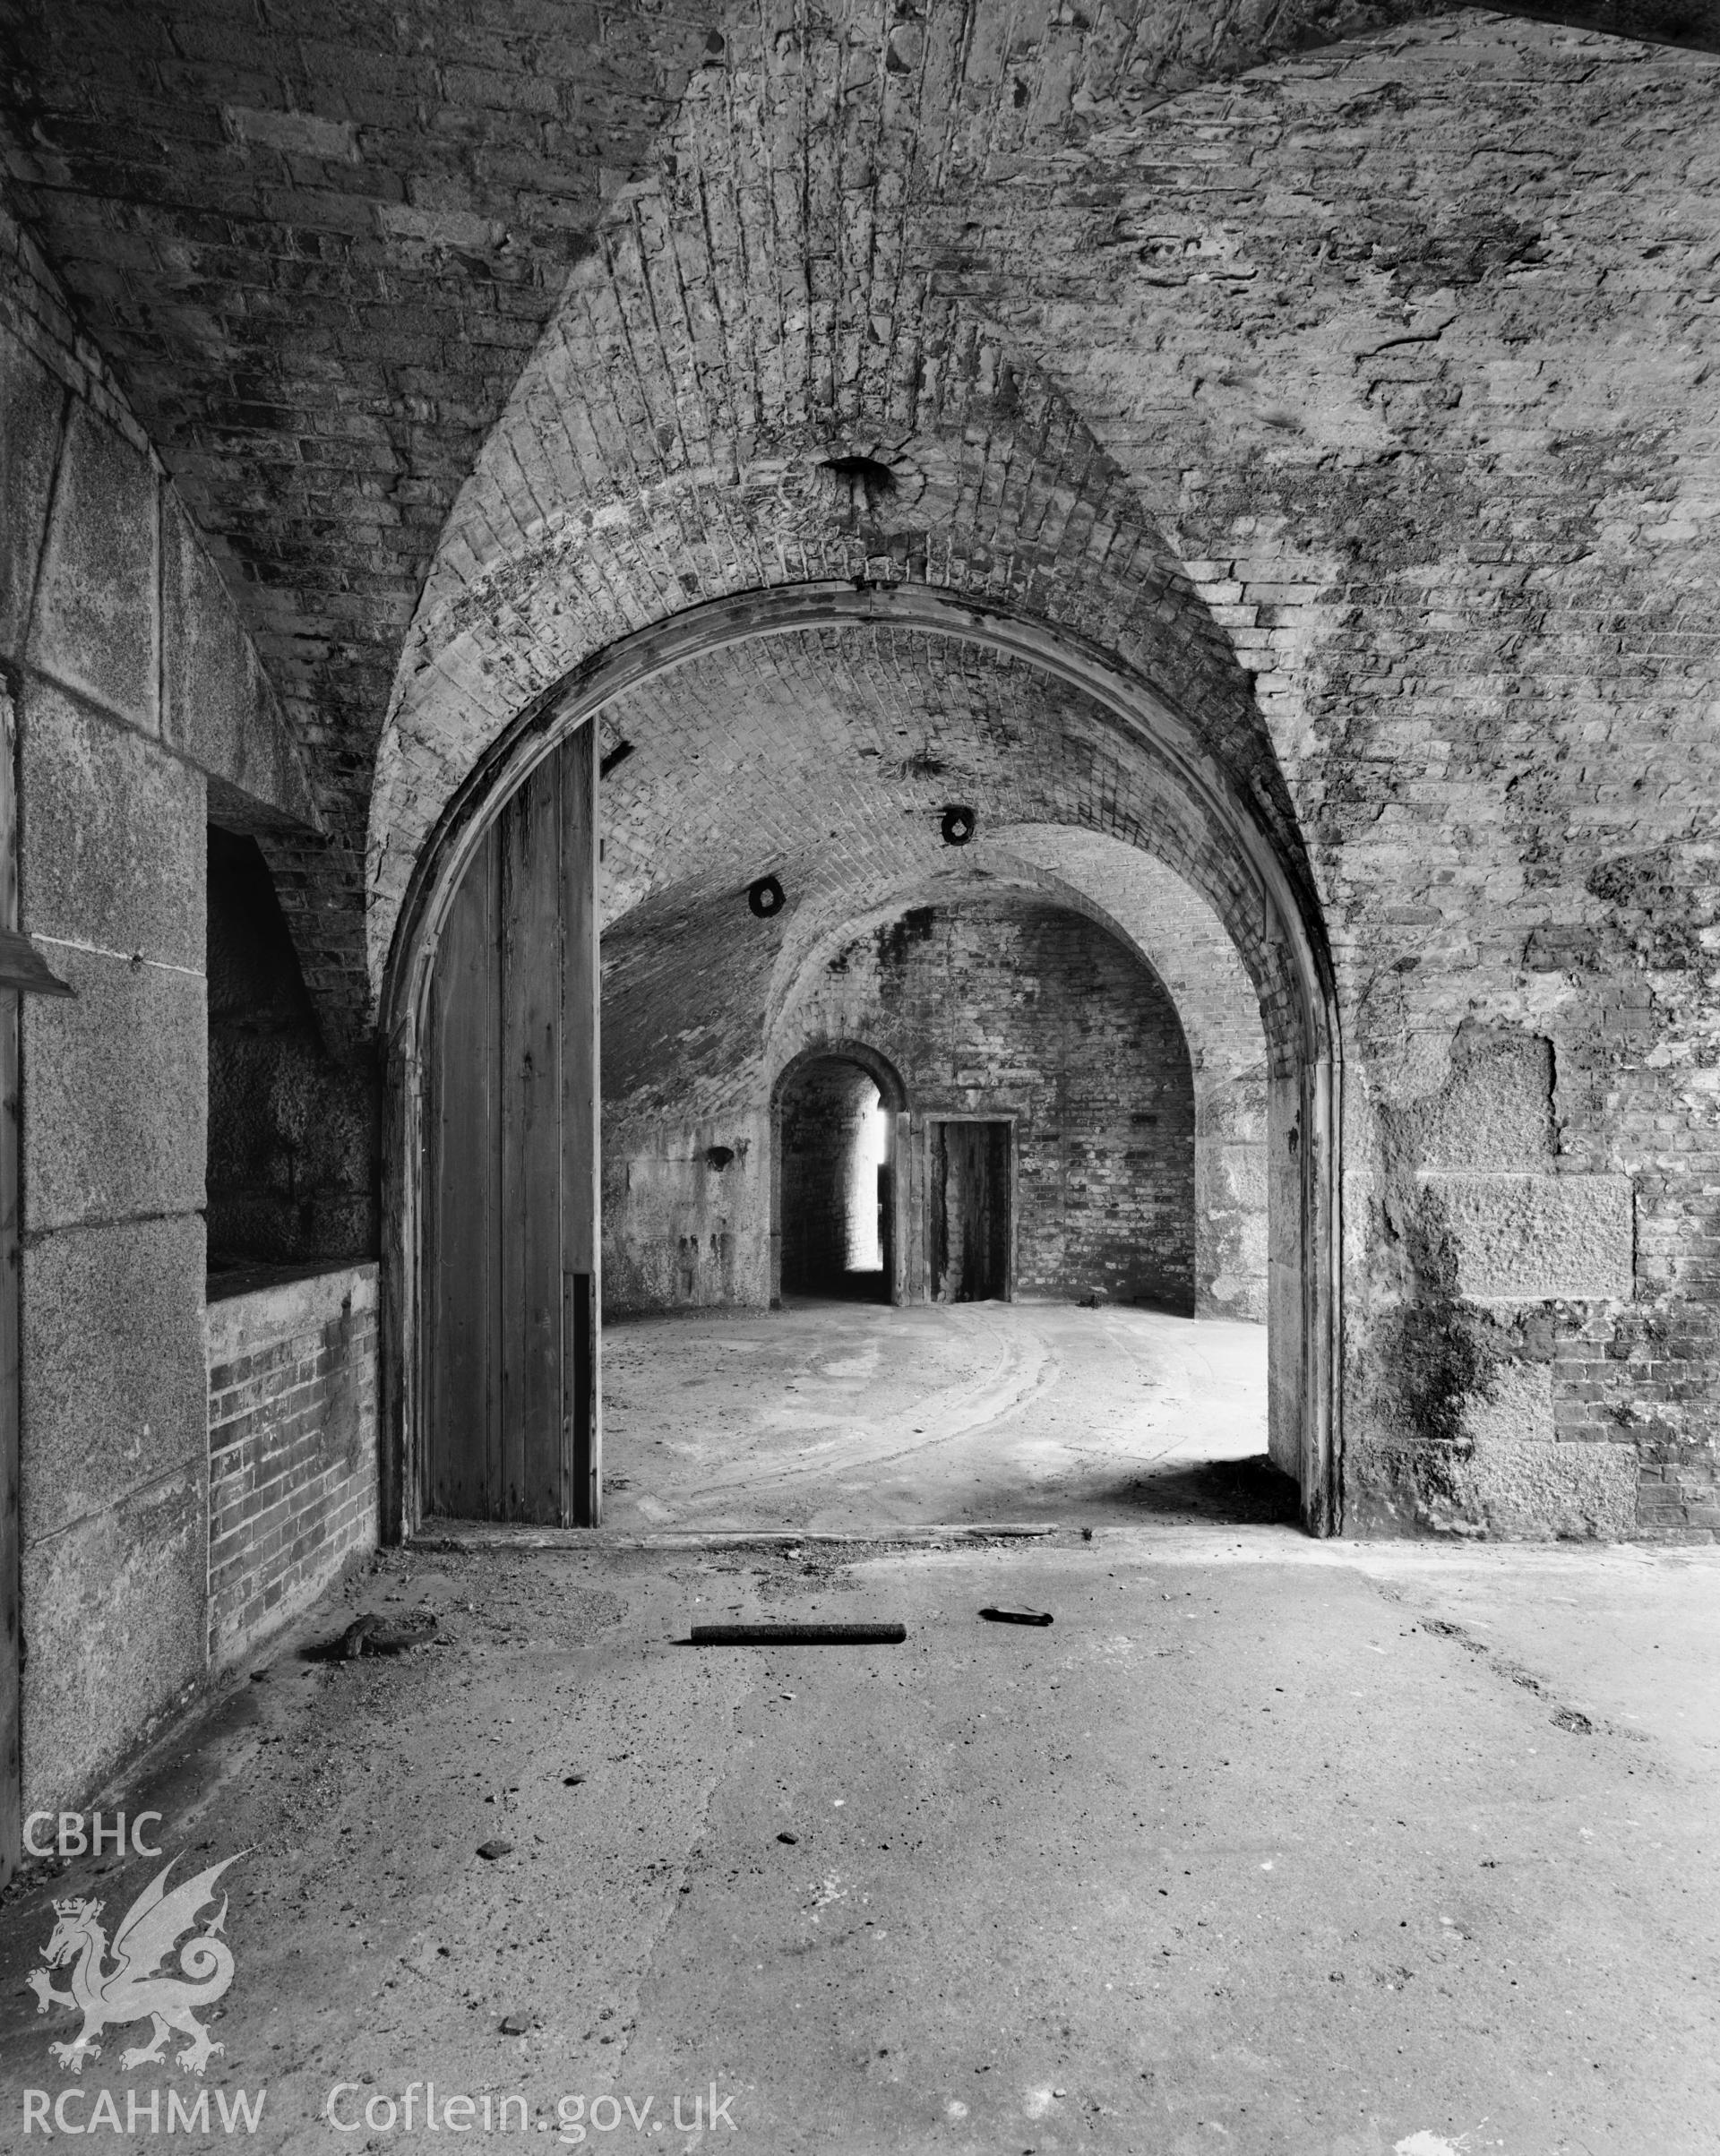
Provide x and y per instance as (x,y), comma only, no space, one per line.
(293,1136)
(1421,385)
(292,1449)
(686,1211)
(1001,1006)
(137,696)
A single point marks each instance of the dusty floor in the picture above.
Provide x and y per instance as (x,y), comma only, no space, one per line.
(843,1414)
(1265,1846)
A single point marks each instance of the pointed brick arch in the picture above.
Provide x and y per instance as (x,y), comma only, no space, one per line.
(759,379)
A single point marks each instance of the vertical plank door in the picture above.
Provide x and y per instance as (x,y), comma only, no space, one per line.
(512,1177)
(968,1231)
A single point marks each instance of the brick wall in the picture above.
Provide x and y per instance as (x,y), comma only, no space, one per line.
(292,1449)
(1003,1007)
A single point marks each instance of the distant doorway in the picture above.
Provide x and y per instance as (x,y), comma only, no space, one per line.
(970,1234)
(835,1152)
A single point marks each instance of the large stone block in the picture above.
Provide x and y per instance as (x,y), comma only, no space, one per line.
(114,1631)
(1232,1174)
(115,834)
(1513,1486)
(115,1086)
(31,402)
(114,1386)
(1539,1238)
(1230,1229)
(95,615)
(1517,1408)
(219,709)
(1493,1111)
(1284,1390)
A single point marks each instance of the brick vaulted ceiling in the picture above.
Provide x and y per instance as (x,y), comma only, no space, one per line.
(319,239)
(826,758)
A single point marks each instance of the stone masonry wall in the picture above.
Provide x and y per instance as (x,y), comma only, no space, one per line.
(292,1449)
(139,700)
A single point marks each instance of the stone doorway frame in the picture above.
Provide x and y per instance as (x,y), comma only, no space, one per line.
(1308,1381)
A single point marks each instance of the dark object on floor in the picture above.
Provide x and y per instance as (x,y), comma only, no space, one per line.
(516,2025)
(786,1836)
(374,1635)
(799,1635)
(1011,1614)
(491,1850)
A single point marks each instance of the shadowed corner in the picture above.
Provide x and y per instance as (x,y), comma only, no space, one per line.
(1238,1493)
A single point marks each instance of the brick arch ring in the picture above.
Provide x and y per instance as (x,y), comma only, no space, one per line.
(1301,1017)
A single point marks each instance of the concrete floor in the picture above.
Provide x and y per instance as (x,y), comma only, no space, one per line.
(838,1415)
(1265,1846)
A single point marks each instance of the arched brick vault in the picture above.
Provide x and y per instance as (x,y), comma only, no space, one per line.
(341,224)
(317,241)
(826,756)
(316,245)
(998,494)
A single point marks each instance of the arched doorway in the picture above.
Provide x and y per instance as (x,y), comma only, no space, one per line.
(837,1114)
(1232,853)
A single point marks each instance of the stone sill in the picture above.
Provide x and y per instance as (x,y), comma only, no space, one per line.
(254,1303)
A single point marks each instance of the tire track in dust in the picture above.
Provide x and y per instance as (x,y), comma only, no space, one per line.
(1028,1369)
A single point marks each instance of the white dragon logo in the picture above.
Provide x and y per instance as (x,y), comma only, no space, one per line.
(135,1987)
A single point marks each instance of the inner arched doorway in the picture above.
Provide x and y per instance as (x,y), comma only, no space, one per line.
(835,1206)
(1191,813)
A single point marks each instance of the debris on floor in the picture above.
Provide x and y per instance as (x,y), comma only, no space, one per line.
(799,1635)
(373,1635)
(1015,1613)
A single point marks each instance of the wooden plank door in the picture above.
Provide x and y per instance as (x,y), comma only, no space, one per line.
(970,1185)
(511,1390)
